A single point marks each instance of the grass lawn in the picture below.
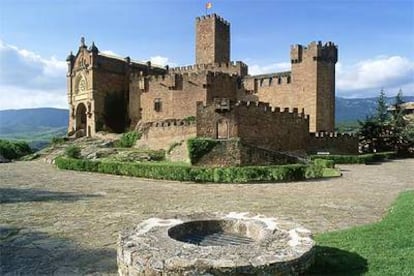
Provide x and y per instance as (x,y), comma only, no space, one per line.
(383,248)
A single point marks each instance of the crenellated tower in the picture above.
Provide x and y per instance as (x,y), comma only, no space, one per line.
(212,39)
(313,76)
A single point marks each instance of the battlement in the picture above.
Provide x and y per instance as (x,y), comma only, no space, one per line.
(251,83)
(213,16)
(318,51)
(265,108)
(323,134)
(171,123)
(234,66)
(175,81)
(333,143)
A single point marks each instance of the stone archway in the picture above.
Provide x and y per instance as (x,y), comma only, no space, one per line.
(81,121)
(222,129)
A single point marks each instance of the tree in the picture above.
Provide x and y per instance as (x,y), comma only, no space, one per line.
(369,131)
(382,112)
(375,130)
(403,131)
(387,131)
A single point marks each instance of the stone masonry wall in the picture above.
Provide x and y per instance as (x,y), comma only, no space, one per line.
(178,96)
(333,143)
(162,135)
(255,124)
(232,152)
(212,39)
(179,93)
(233,67)
(275,89)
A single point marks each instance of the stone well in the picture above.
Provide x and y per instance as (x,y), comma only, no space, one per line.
(215,244)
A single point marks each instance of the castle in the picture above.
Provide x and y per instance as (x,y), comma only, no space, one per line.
(215,97)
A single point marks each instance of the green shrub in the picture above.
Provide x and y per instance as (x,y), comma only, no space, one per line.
(198,147)
(190,119)
(14,149)
(324,163)
(128,139)
(198,174)
(73,152)
(314,171)
(357,159)
(157,155)
(58,140)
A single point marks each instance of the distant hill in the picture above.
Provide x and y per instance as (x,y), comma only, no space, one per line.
(36,126)
(347,110)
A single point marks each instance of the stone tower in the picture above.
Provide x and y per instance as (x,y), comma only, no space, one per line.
(313,76)
(212,39)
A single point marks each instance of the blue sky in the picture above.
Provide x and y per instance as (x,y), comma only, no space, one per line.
(375,38)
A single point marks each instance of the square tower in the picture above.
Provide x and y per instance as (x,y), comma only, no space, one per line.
(212,39)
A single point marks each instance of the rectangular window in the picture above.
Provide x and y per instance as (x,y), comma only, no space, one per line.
(157,105)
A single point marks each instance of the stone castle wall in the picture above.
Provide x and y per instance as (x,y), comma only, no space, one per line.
(232,152)
(178,93)
(333,143)
(255,123)
(162,135)
(233,67)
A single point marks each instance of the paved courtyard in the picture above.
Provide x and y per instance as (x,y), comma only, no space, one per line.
(65,222)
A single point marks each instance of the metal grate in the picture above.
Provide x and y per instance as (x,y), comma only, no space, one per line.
(216,239)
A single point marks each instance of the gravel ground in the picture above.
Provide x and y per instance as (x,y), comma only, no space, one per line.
(65,222)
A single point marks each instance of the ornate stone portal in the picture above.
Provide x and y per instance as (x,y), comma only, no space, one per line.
(215,244)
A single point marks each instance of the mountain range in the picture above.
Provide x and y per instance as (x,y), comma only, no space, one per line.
(39,125)
(350,110)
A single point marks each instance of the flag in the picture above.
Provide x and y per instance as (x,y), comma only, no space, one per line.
(209,5)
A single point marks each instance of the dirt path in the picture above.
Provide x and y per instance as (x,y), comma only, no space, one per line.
(65,222)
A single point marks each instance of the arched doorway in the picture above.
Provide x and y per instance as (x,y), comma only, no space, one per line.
(222,129)
(81,118)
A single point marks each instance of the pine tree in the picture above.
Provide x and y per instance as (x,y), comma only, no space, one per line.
(382,113)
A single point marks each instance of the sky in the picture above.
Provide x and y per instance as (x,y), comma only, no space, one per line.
(375,40)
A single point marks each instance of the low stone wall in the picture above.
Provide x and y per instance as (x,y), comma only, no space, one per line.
(233,152)
(333,143)
(162,135)
(225,153)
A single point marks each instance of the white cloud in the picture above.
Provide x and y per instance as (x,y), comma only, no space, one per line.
(367,77)
(256,69)
(363,79)
(29,80)
(12,97)
(161,61)
(110,53)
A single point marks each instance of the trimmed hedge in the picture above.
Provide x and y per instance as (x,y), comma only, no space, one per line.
(356,159)
(197,174)
(324,163)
